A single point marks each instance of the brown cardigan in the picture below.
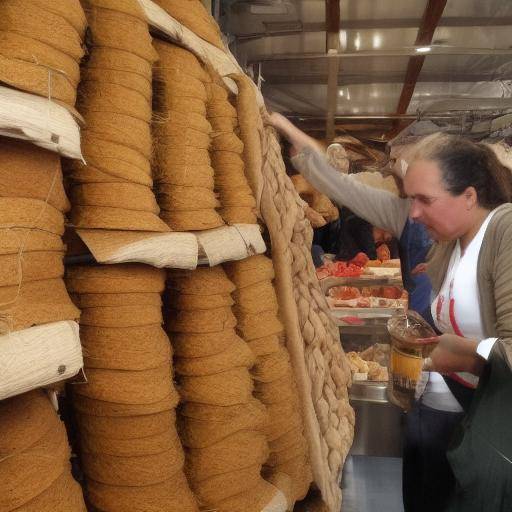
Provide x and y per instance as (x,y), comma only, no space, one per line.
(494,276)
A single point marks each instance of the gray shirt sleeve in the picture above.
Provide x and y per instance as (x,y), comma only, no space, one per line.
(379,207)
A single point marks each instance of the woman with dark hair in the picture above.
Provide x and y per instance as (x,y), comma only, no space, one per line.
(461,192)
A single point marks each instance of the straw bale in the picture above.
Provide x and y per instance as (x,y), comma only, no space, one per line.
(107,97)
(87,405)
(201,281)
(127,387)
(32,266)
(12,240)
(250,271)
(127,427)
(221,108)
(132,471)
(172,494)
(276,391)
(124,278)
(99,217)
(227,160)
(255,298)
(132,348)
(178,198)
(263,324)
(108,157)
(232,387)
(64,495)
(119,129)
(147,445)
(175,57)
(192,302)
(28,19)
(127,79)
(238,451)
(131,196)
(202,345)
(87,174)
(112,59)
(121,316)
(30,172)
(121,31)
(272,367)
(23,48)
(236,356)
(167,156)
(25,475)
(196,433)
(221,487)
(253,500)
(25,419)
(227,142)
(30,213)
(202,320)
(186,175)
(194,16)
(243,215)
(264,346)
(94,300)
(169,134)
(192,220)
(36,303)
(34,78)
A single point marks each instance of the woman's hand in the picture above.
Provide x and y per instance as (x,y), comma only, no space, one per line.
(453,354)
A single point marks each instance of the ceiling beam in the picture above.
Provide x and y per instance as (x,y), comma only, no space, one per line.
(332,46)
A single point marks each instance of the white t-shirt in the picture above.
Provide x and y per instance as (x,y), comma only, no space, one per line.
(456,310)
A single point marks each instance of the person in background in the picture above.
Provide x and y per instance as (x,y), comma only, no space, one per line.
(461,193)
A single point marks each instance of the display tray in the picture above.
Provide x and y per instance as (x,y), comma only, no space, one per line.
(363,280)
(369,391)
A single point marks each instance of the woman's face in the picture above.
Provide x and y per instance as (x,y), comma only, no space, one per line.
(445,216)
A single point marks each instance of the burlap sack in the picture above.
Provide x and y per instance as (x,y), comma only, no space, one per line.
(168,156)
(127,387)
(30,172)
(36,303)
(31,266)
(127,79)
(26,474)
(238,451)
(264,346)
(117,99)
(202,345)
(202,320)
(253,500)
(87,405)
(191,220)
(14,239)
(132,471)
(70,10)
(250,271)
(227,142)
(232,387)
(121,316)
(125,278)
(195,433)
(263,324)
(235,356)
(106,58)
(175,57)
(30,213)
(86,174)
(102,217)
(148,445)
(130,196)
(201,281)
(30,20)
(271,367)
(172,494)
(127,428)
(121,31)
(119,129)
(132,348)
(255,298)
(193,15)
(192,302)
(64,495)
(178,198)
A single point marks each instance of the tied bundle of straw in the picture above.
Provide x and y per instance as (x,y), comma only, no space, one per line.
(256,310)
(113,190)
(32,206)
(125,412)
(34,458)
(220,423)
(181,135)
(235,195)
(41,47)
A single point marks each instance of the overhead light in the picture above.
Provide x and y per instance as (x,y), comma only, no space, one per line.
(377,40)
(341,93)
(343,39)
(348,95)
(424,49)
(357,41)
